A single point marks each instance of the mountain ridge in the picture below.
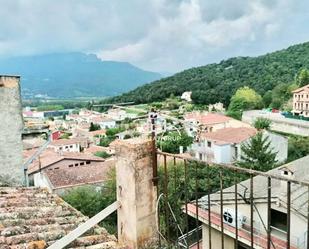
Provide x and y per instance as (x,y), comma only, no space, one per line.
(219,81)
(74,74)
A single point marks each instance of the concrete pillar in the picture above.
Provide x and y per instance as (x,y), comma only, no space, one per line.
(11,125)
(136,193)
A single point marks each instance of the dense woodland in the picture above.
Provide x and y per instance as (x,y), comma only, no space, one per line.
(218,82)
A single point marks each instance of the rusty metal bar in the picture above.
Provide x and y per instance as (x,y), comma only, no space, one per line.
(243,170)
(196,206)
(288,235)
(308,222)
(175,175)
(251,212)
(166,199)
(221,208)
(268,212)
(186,198)
(236,211)
(209,208)
(154,152)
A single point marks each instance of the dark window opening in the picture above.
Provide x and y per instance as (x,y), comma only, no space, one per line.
(56,168)
(71,165)
(87,162)
(82,163)
(278,220)
(209,144)
(76,164)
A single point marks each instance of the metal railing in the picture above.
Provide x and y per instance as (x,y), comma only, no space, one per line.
(196,194)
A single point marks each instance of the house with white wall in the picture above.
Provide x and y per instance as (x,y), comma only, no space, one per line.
(297,170)
(198,122)
(224,145)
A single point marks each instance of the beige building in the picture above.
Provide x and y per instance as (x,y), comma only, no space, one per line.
(301,101)
(296,170)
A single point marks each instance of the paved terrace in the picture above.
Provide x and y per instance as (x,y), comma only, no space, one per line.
(279,122)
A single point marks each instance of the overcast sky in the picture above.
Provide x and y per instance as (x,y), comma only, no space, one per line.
(158,35)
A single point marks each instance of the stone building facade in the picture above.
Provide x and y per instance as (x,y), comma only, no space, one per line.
(11,125)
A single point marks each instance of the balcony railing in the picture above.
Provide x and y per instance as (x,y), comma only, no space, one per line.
(198,194)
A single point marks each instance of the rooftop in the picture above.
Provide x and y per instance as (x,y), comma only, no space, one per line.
(304,88)
(207,119)
(35,218)
(70,141)
(49,157)
(69,177)
(230,135)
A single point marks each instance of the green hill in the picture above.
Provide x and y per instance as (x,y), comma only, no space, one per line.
(218,82)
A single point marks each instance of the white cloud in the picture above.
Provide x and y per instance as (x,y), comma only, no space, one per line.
(161,35)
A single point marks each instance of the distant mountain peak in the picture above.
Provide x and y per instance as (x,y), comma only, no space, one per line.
(74,74)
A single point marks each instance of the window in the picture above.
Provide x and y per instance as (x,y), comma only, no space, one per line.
(209,144)
(278,220)
(56,168)
(71,165)
(66,147)
(76,164)
(200,156)
(82,163)
(87,162)
(71,146)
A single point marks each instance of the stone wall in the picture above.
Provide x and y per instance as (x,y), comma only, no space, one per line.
(11,124)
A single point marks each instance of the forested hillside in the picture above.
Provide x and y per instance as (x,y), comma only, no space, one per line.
(218,82)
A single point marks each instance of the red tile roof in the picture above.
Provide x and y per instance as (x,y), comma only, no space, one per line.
(50,157)
(70,141)
(207,119)
(230,135)
(81,175)
(35,218)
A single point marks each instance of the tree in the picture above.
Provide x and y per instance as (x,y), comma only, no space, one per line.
(102,154)
(262,123)
(94,127)
(303,78)
(267,98)
(173,140)
(245,98)
(258,154)
(297,147)
(281,94)
(90,200)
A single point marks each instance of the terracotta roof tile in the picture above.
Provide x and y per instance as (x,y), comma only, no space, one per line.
(49,157)
(230,135)
(207,119)
(76,176)
(35,218)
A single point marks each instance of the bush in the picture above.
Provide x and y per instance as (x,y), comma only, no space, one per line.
(102,154)
(262,123)
(90,200)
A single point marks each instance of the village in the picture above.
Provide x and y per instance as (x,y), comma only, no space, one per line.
(66,151)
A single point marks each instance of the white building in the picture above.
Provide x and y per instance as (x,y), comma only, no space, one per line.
(186,96)
(296,170)
(199,122)
(69,145)
(224,145)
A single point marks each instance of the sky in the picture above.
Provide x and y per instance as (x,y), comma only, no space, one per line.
(156,35)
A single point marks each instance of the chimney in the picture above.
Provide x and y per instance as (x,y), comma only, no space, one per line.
(11,125)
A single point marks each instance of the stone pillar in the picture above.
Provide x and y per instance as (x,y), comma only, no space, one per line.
(136,193)
(11,125)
